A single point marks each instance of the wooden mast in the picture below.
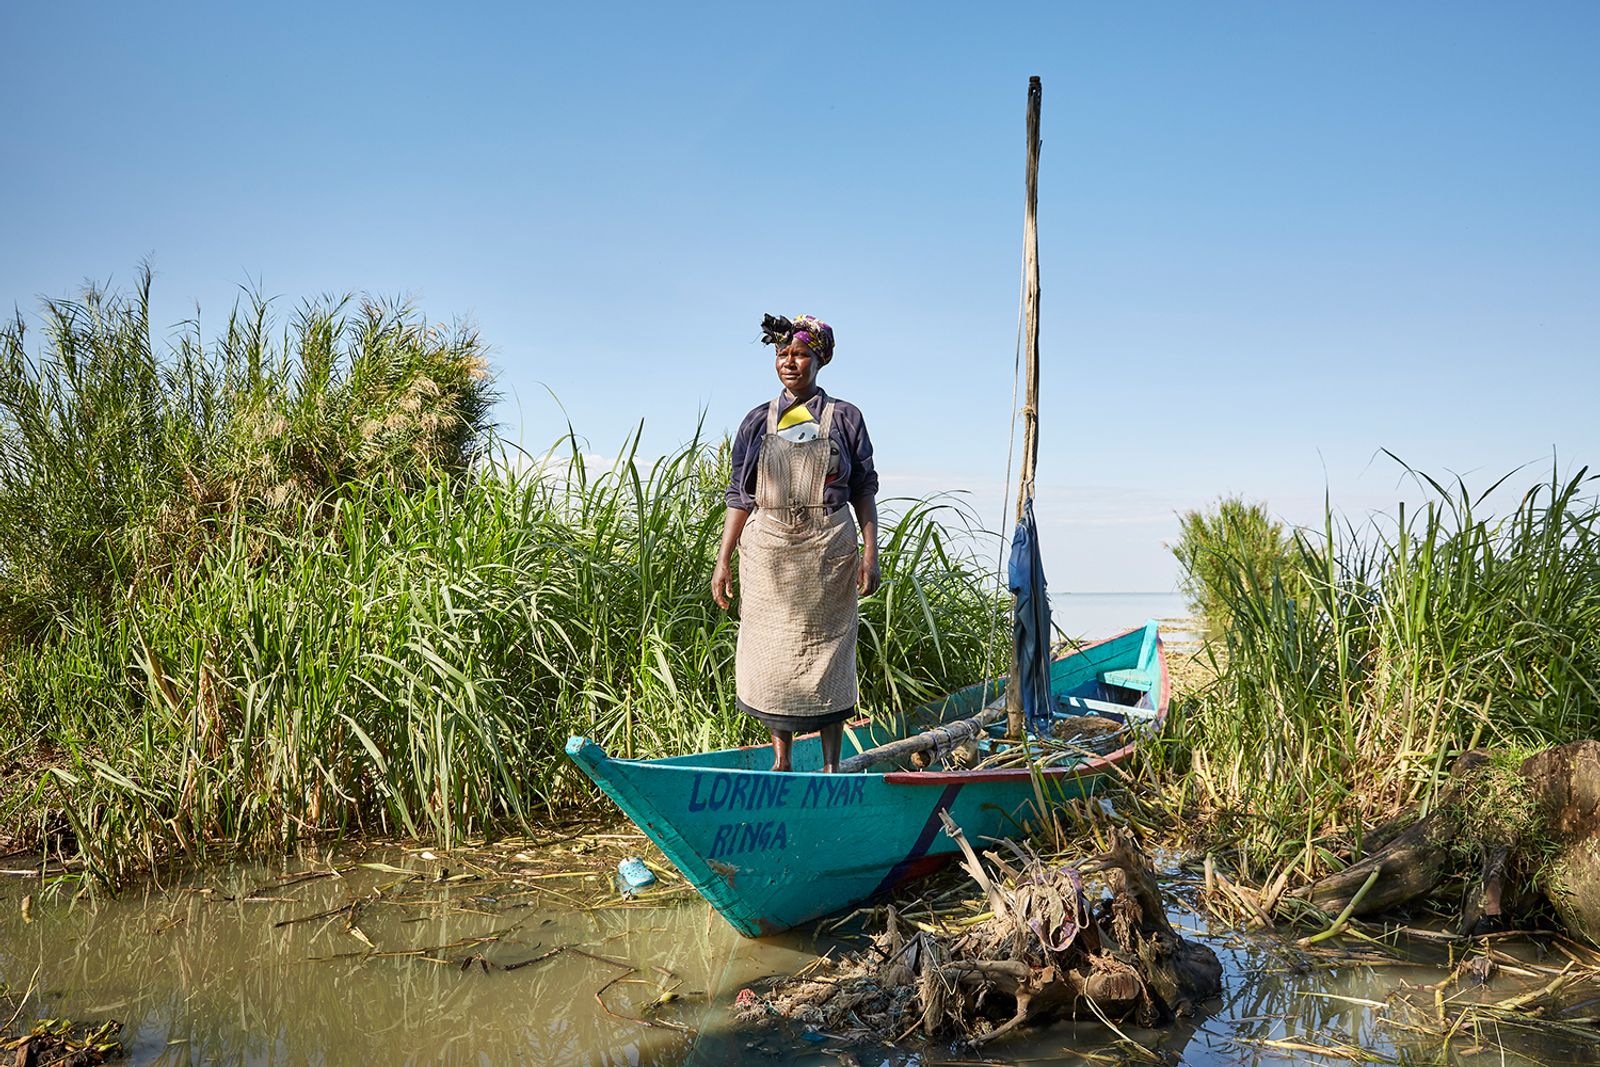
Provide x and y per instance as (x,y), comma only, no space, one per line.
(1030,334)
(952,733)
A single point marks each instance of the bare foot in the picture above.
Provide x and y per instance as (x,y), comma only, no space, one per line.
(782,749)
(830,768)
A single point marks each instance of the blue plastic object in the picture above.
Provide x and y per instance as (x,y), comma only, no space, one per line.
(635,875)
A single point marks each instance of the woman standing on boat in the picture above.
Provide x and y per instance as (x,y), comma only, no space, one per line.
(798,461)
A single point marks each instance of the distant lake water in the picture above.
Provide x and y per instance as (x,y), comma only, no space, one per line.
(1095,615)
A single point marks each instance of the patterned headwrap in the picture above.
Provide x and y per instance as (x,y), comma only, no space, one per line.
(807,329)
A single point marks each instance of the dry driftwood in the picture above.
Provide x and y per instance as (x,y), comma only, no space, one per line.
(1043,952)
(1558,840)
(943,737)
(1412,860)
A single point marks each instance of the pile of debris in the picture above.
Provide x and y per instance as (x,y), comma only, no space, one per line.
(59,1043)
(1040,951)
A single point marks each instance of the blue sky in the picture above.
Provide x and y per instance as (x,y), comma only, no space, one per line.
(1275,238)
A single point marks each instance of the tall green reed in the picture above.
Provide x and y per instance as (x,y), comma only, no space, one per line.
(1411,639)
(121,462)
(413,660)
(1231,541)
(287,583)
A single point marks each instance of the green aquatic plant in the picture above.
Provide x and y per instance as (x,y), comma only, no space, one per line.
(1412,638)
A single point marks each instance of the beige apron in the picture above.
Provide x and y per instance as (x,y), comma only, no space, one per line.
(798,568)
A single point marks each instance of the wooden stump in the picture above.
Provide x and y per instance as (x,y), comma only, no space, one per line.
(1565,782)
(1555,852)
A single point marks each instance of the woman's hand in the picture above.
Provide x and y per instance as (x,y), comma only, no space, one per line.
(869,579)
(722,575)
(722,584)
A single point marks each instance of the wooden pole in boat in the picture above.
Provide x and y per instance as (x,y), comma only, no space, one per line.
(1030,334)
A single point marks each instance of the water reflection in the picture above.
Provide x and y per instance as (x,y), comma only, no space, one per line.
(199,978)
(348,970)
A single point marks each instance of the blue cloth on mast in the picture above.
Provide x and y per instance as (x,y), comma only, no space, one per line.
(1031,628)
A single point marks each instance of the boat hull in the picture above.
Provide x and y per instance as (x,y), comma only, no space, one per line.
(772,850)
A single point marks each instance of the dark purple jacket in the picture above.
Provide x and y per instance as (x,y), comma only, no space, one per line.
(856,477)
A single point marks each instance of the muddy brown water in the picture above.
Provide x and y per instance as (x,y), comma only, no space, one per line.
(199,972)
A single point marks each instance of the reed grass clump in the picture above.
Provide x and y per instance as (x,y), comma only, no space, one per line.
(1232,541)
(401,641)
(1351,674)
(120,463)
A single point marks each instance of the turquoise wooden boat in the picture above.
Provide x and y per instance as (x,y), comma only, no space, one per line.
(772,850)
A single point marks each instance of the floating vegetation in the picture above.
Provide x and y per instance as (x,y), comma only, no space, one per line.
(61,1043)
(44,1042)
(571,868)
(1449,993)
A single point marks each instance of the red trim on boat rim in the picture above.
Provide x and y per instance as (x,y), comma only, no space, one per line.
(1092,767)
